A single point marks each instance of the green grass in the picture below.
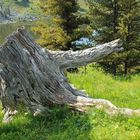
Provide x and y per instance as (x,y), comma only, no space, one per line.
(64,124)
(122,91)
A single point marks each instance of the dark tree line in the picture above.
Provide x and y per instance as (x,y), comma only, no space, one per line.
(117,19)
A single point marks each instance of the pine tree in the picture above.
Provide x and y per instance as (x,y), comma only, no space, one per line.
(62,25)
(104,21)
(116,19)
(129,31)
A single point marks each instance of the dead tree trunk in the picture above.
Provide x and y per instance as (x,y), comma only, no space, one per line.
(34,76)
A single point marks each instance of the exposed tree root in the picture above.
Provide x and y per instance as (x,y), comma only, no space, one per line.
(105,105)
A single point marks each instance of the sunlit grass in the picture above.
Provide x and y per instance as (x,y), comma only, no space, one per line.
(122,91)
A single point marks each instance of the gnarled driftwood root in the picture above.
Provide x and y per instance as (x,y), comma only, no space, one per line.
(34,76)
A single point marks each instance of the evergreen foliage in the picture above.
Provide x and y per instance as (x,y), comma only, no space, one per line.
(62,25)
(117,19)
(129,30)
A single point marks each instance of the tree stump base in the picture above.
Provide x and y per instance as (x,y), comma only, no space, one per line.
(34,76)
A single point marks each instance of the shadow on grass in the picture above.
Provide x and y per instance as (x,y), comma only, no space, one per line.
(62,124)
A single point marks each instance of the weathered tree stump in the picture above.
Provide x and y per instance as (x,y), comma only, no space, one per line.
(34,76)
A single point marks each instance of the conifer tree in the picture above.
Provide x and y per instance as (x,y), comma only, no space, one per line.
(129,31)
(104,16)
(62,25)
(116,19)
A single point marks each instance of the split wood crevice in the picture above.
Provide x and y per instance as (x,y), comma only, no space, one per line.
(34,76)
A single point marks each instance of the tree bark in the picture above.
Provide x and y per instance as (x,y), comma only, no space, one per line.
(34,76)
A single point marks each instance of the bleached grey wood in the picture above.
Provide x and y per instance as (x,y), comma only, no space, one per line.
(35,77)
(69,59)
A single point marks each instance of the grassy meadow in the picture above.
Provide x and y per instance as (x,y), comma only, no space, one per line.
(64,124)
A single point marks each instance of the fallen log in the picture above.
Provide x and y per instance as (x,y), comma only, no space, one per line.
(34,76)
